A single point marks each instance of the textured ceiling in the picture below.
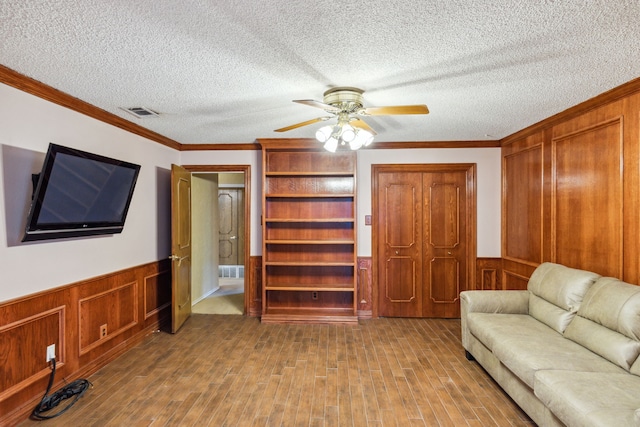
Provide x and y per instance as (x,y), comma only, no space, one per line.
(226,71)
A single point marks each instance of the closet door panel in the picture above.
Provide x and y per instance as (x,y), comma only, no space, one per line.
(445,250)
(400,251)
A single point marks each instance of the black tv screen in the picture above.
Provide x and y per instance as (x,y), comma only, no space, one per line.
(80,194)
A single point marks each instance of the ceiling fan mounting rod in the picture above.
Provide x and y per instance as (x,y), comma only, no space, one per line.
(343,118)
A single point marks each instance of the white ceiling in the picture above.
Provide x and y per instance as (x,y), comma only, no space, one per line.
(225,71)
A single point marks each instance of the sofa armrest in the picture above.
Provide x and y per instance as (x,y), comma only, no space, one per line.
(507,302)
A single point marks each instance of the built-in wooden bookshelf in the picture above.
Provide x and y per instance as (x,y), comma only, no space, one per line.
(309,234)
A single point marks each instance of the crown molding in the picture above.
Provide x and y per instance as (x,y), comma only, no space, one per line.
(27,84)
(312,143)
(607,97)
(210,147)
(435,144)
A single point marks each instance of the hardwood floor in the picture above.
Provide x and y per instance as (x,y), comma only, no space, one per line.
(235,371)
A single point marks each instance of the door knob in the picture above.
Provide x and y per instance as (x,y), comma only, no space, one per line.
(177,258)
(397,252)
(232,238)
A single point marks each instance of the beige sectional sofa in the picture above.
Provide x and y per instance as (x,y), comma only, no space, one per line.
(566,349)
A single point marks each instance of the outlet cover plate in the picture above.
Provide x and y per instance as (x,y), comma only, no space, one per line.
(51,352)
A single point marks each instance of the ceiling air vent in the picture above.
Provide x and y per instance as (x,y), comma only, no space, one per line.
(141,112)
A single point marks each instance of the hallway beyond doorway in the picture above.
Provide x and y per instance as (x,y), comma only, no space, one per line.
(228,299)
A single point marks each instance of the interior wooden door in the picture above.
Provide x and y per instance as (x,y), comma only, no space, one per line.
(230,234)
(399,219)
(424,238)
(180,246)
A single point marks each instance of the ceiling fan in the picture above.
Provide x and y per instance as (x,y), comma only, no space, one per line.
(345,103)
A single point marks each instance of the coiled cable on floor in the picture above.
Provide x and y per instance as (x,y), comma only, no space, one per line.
(75,390)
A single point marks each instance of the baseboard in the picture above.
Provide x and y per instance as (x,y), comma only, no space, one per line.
(365,314)
(205,296)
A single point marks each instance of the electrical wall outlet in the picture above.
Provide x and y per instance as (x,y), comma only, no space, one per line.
(103,331)
(51,352)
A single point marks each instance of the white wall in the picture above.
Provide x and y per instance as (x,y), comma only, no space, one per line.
(27,125)
(204,238)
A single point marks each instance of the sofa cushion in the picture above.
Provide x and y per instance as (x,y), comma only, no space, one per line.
(490,328)
(557,292)
(635,368)
(590,398)
(611,345)
(608,321)
(551,315)
(525,346)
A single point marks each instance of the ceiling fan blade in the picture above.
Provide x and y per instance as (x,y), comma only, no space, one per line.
(317,104)
(361,124)
(397,109)
(299,125)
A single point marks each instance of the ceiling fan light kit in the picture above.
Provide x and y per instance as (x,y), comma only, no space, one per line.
(331,145)
(343,134)
(346,104)
(332,136)
(363,139)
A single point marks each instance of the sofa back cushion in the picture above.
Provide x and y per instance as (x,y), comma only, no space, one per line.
(556,292)
(608,321)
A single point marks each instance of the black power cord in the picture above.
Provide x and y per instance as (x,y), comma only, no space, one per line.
(75,389)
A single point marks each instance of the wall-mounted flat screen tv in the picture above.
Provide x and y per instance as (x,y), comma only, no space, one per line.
(80,194)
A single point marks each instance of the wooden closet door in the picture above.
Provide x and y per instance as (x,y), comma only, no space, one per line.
(445,246)
(424,238)
(400,245)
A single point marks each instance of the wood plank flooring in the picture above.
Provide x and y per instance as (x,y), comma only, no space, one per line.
(234,371)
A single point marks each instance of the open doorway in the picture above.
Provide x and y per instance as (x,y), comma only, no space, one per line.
(229,297)
(220,232)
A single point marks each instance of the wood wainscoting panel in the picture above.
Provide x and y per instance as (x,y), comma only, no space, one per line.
(107,314)
(522,203)
(488,274)
(587,188)
(29,336)
(585,169)
(514,281)
(515,275)
(157,291)
(365,288)
(253,297)
(71,317)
